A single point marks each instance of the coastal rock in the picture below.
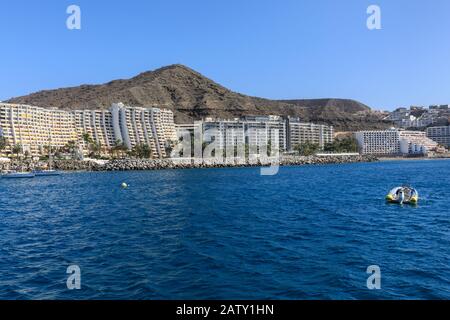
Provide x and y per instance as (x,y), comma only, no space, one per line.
(160,164)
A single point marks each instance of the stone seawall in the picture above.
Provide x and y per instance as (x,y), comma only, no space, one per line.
(29,165)
(139,164)
(159,164)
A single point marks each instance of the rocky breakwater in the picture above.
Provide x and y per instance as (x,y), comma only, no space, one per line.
(31,165)
(159,164)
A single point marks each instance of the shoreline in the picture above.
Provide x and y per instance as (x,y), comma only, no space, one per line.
(163,164)
(384,159)
(132,164)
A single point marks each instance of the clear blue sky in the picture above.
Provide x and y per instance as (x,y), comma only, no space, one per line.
(274,49)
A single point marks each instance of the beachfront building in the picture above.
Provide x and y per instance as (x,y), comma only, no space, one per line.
(223,133)
(131,126)
(416,143)
(394,142)
(441,135)
(261,131)
(379,142)
(97,124)
(35,129)
(188,129)
(135,126)
(301,132)
(166,135)
(266,130)
(253,131)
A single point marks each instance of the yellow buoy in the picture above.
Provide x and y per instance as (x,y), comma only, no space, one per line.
(124,185)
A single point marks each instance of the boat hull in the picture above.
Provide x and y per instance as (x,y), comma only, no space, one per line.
(18,176)
(47,173)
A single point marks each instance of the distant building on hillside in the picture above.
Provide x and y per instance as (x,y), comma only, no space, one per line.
(440,135)
(419,117)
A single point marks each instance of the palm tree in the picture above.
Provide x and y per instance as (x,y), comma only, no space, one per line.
(3,143)
(70,148)
(87,138)
(142,151)
(95,149)
(17,149)
(119,147)
(307,148)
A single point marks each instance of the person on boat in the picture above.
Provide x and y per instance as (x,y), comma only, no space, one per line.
(401,196)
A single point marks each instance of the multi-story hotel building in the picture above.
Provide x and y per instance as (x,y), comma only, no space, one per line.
(33,128)
(416,142)
(223,133)
(262,131)
(254,131)
(131,126)
(97,124)
(301,132)
(379,142)
(270,130)
(441,135)
(394,142)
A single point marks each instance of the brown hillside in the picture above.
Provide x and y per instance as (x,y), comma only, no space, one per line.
(192,96)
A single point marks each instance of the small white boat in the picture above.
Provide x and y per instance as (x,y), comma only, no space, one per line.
(46,173)
(18,175)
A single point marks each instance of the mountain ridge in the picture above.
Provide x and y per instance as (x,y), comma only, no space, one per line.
(192,96)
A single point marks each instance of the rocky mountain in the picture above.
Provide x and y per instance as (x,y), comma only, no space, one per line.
(192,96)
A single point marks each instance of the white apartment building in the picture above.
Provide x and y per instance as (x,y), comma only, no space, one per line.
(260,131)
(224,133)
(379,142)
(266,130)
(253,131)
(130,125)
(302,132)
(96,123)
(441,135)
(394,142)
(34,128)
(416,142)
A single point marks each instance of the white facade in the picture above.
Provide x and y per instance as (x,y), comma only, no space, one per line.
(131,126)
(394,142)
(385,142)
(418,117)
(35,128)
(302,132)
(258,131)
(285,134)
(416,142)
(441,135)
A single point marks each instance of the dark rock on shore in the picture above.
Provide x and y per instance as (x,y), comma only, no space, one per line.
(139,164)
(159,164)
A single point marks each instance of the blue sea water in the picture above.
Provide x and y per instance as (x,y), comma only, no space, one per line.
(309,232)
